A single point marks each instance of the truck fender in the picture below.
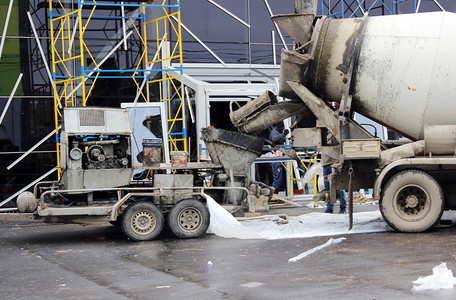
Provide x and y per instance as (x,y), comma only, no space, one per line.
(385,171)
(413,163)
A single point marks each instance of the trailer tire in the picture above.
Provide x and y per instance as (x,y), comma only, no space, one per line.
(411,201)
(189,218)
(142,221)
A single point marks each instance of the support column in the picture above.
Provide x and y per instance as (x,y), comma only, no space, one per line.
(306,6)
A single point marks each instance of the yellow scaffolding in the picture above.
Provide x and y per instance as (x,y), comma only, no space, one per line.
(64,58)
(73,83)
(171,83)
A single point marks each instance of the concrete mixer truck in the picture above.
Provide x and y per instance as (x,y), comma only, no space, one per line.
(399,71)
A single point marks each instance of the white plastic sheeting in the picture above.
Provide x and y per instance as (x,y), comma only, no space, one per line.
(318,224)
(313,250)
(441,278)
(315,169)
(223,224)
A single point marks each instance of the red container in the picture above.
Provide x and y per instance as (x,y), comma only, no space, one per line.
(179,158)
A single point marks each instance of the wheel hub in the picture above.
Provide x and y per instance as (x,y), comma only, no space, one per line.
(190,219)
(143,222)
(412,202)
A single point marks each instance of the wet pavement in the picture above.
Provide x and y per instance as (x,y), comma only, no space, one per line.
(55,261)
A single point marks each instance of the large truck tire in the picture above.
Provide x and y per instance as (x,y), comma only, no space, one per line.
(142,221)
(189,218)
(411,201)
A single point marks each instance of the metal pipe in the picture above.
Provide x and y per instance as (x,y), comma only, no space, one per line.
(41,49)
(75,26)
(11,97)
(229,13)
(33,148)
(122,8)
(275,25)
(8,209)
(22,152)
(5,27)
(274,55)
(201,42)
(27,186)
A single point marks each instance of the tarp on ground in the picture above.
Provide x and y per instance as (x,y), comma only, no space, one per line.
(223,224)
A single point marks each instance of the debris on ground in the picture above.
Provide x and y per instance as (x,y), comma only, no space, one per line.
(313,250)
(441,278)
(361,198)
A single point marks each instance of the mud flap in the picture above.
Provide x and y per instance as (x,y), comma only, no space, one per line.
(350,199)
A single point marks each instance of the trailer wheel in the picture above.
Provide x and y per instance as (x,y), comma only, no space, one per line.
(142,221)
(411,201)
(189,218)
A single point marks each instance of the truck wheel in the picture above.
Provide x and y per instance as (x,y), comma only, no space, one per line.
(142,221)
(189,218)
(411,201)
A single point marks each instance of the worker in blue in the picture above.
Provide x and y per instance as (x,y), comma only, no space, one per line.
(326,162)
(278,136)
(327,170)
